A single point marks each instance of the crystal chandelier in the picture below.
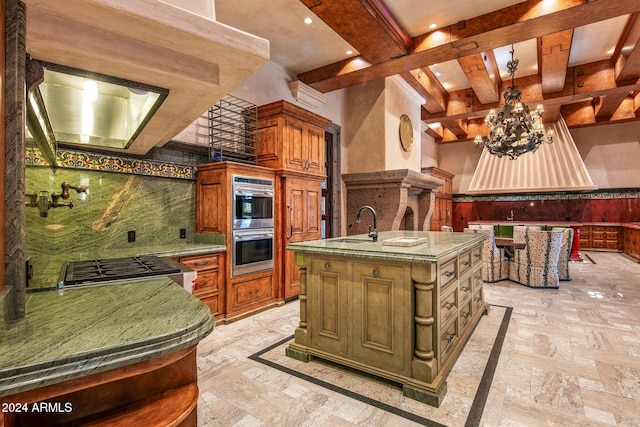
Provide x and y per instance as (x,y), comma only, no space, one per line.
(514,129)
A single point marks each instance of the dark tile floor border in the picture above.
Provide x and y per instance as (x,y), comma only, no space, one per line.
(479,401)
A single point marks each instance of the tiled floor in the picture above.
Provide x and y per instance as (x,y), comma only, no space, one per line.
(571,357)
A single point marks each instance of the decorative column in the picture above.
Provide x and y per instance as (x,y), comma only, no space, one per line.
(14,180)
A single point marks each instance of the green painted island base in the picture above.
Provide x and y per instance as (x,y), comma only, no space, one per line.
(404,314)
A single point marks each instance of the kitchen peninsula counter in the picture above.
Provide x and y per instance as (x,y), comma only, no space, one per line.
(400,312)
(100,343)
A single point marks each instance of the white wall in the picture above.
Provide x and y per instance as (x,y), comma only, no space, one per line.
(401,99)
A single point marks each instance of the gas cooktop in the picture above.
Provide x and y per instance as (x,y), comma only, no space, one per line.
(76,273)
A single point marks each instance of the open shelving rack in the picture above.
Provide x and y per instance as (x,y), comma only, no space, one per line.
(233,129)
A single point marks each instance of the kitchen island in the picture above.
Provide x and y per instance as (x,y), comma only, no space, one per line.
(401,308)
(116,354)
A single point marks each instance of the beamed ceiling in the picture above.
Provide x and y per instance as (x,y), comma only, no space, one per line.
(578,58)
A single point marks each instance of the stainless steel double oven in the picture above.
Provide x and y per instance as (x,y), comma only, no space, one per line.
(252,223)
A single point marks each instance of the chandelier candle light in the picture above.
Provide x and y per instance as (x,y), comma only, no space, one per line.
(513,130)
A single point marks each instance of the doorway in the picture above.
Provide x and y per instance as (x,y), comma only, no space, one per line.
(331,204)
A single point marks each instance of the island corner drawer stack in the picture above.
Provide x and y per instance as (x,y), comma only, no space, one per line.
(209,284)
(461,300)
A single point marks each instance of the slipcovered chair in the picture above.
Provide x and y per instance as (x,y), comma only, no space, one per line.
(565,252)
(495,265)
(536,265)
(520,230)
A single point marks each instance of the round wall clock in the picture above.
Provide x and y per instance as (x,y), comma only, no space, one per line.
(406,132)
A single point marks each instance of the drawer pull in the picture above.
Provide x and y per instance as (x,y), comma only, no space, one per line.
(477,277)
(476,256)
(466,289)
(376,271)
(327,265)
(450,305)
(201,263)
(205,283)
(478,299)
(466,315)
(466,263)
(449,273)
(451,337)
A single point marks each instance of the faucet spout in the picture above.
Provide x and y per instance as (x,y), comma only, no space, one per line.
(372,233)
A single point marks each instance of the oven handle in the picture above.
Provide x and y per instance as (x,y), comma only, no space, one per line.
(245,236)
(247,191)
(290,221)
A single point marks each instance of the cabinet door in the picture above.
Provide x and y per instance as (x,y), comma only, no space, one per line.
(210,216)
(379,336)
(327,302)
(315,150)
(295,141)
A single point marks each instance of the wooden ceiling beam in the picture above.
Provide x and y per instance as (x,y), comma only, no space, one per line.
(627,54)
(427,85)
(553,58)
(482,72)
(606,106)
(584,82)
(522,21)
(367,25)
(458,128)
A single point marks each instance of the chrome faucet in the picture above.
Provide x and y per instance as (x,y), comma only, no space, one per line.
(372,233)
(511,217)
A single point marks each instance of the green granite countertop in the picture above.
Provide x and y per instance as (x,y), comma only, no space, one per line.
(46,270)
(82,331)
(437,246)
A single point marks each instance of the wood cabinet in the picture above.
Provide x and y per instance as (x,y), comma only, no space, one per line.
(291,141)
(443,208)
(235,297)
(601,237)
(301,221)
(209,285)
(631,242)
(404,321)
(291,138)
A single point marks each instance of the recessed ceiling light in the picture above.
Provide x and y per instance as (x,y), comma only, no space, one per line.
(349,52)
(432,26)
(308,20)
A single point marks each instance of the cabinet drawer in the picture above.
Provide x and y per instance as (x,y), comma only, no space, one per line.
(466,313)
(449,305)
(597,235)
(245,293)
(213,300)
(208,280)
(448,271)
(466,288)
(476,255)
(448,340)
(201,262)
(464,261)
(611,235)
(478,300)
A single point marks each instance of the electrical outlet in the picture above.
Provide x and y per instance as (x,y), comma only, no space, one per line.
(183,233)
(131,236)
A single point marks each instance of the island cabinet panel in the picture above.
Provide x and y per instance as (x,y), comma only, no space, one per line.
(379,320)
(328,308)
(403,320)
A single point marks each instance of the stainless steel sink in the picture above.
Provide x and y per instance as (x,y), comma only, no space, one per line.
(347,240)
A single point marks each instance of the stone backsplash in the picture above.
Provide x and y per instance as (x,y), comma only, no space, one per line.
(115,204)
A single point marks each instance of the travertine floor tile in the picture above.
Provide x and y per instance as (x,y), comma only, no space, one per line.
(571,357)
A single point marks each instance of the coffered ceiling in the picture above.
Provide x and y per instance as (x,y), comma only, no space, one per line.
(578,58)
